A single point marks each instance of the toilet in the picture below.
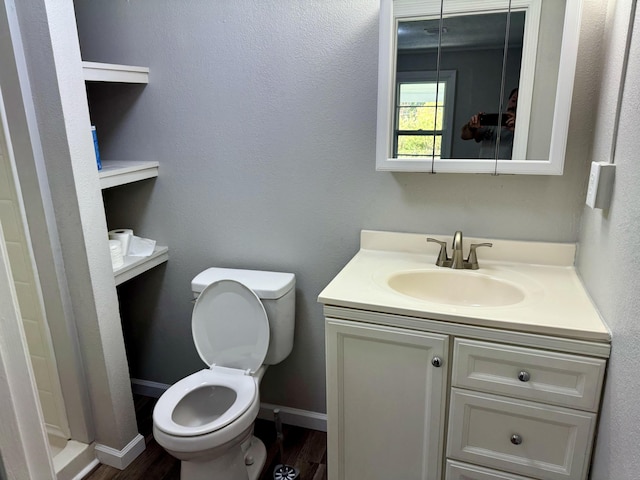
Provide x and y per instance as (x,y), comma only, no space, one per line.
(242,321)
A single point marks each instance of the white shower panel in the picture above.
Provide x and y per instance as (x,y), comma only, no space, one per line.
(30,301)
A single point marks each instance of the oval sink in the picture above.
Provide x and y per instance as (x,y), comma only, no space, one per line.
(462,288)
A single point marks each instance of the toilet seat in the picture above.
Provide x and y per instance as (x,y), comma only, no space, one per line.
(231,334)
(244,387)
(230,326)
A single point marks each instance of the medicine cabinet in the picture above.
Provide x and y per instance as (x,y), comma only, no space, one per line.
(443,61)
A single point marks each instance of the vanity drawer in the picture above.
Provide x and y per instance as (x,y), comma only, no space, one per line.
(518,436)
(464,471)
(528,373)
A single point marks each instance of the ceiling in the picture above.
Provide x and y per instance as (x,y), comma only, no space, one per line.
(464,31)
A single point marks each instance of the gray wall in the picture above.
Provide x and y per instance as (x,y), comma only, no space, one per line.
(608,254)
(263,118)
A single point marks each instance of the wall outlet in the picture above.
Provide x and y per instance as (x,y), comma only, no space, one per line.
(600,184)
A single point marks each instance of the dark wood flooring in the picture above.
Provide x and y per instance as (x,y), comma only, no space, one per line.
(304,449)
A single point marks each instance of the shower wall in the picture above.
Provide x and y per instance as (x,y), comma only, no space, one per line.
(30,300)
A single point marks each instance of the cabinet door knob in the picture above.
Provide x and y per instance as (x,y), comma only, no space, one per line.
(524,376)
(436,361)
(516,439)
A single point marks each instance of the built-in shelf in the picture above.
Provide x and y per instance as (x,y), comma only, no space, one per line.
(120,172)
(109,72)
(134,266)
(115,172)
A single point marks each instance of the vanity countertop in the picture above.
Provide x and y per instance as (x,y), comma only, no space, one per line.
(555,302)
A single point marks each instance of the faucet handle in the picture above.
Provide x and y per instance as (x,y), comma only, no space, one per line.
(443,258)
(472,259)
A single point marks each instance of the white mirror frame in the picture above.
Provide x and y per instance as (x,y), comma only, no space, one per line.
(392,11)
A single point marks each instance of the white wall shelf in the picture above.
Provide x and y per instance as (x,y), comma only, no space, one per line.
(134,266)
(121,172)
(109,72)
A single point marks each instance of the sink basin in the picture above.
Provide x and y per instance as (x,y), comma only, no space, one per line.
(452,287)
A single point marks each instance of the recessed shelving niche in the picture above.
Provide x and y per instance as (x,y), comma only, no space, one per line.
(121,172)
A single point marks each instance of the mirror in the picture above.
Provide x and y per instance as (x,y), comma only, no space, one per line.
(451,71)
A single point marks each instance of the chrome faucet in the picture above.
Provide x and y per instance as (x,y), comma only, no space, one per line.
(458,261)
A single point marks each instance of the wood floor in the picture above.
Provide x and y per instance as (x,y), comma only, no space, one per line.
(304,449)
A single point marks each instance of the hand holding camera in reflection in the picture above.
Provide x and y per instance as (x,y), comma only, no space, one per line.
(482,127)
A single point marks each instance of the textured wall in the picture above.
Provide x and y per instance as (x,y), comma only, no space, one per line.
(608,257)
(263,118)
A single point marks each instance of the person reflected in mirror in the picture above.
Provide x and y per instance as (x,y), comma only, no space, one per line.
(483,128)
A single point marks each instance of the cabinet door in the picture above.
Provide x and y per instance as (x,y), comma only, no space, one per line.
(386,402)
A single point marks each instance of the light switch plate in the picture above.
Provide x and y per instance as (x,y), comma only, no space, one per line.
(600,186)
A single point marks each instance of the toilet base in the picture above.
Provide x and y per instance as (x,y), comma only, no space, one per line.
(231,466)
(258,452)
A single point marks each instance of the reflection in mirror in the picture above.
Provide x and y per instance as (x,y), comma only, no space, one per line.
(421,114)
(448,61)
(472,46)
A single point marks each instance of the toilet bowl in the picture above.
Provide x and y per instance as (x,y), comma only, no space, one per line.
(206,419)
(207,423)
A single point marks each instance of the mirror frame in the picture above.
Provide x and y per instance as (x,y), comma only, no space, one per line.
(406,9)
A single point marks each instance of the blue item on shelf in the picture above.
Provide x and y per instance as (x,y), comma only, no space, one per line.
(95,145)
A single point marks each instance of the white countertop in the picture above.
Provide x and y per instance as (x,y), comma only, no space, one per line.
(556,302)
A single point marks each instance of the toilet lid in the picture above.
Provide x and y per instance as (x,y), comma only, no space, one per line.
(230,326)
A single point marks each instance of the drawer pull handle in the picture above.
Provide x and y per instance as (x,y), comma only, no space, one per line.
(436,362)
(516,439)
(524,376)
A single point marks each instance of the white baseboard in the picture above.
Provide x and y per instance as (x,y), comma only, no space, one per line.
(295,416)
(288,415)
(75,460)
(86,470)
(148,388)
(120,459)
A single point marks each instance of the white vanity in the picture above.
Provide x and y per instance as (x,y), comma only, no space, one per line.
(435,373)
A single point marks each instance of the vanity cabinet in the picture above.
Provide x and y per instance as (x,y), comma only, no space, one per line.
(387,399)
(419,404)
(515,391)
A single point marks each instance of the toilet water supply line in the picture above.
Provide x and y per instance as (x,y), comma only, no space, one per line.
(282,471)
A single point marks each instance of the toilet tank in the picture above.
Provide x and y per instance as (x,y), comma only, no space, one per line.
(276,291)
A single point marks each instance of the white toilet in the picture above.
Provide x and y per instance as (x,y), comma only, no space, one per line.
(243,320)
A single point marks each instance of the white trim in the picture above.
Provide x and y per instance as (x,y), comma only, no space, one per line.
(148,388)
(75,458)
(289,415)
(422,8)
(86,470)
(121,459)
(295,417)
(109,72)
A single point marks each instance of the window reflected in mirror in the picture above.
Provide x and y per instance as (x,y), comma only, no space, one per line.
(424,114)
